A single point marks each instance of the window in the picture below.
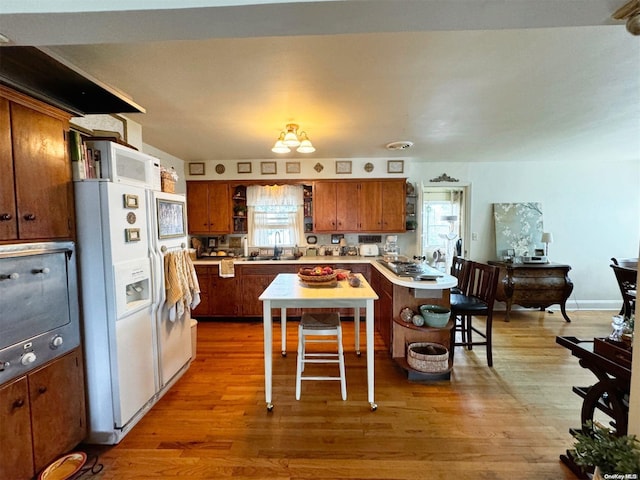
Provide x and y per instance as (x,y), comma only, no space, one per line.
(443,224)
(275,215)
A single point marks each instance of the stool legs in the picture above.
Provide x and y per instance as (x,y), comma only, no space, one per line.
(320,358)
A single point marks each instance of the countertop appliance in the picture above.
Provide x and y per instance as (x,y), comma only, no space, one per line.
(133,353)
(39,319)
(369,250)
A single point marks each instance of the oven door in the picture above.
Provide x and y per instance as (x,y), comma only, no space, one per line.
(33,295)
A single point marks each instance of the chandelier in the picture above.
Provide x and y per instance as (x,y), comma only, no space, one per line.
(290,138)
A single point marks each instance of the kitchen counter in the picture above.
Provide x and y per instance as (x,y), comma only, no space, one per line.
(445,282)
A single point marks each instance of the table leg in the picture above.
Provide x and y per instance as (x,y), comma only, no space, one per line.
(370,354)
(283,330)
(563,309)
(356,326)
(268,347)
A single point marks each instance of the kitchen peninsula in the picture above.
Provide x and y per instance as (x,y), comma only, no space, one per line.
(238,296)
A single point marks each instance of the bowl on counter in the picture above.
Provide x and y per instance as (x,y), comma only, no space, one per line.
(435,316)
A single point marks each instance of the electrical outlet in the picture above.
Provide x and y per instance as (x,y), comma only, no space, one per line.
(474,236)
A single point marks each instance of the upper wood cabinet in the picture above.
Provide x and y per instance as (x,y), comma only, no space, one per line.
(335,206)
(209,210)
(359,206)
(37,195)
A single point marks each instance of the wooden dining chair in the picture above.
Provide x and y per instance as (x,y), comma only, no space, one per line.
(627,281)
(477,301)
(460,270)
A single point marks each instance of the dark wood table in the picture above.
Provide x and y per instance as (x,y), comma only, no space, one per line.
(536,285)
(610,394)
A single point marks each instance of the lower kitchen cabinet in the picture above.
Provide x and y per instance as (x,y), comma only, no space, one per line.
(218,295)
(43,416)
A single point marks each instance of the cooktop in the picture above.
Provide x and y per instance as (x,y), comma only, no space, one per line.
(414,270)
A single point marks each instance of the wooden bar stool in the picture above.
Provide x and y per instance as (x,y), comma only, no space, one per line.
(317,328)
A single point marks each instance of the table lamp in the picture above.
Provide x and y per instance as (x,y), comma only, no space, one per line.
(547,238)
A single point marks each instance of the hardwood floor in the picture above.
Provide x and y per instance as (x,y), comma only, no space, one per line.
(506,422)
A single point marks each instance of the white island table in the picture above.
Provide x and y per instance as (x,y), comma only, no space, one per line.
(286,291)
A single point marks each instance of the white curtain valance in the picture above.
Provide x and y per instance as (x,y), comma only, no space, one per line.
(275,195)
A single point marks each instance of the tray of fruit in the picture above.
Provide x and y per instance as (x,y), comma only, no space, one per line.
(318,275)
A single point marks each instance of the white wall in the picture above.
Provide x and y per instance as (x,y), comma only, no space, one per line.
(592,210)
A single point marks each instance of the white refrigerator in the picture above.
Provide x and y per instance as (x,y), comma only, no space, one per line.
(133,352)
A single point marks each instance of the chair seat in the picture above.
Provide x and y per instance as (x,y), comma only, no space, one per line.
(467,303)
(319,320)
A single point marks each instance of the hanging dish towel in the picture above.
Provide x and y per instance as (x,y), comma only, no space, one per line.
(226,269)
(181,284)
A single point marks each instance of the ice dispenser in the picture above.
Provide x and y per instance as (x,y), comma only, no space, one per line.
(133,286)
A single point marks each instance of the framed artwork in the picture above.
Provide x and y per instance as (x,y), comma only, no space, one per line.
(244,167)
(395,166)
(171,218)
(268,168)
(132,235)
(343,166)
(196,168)
(293,167)
(213,242)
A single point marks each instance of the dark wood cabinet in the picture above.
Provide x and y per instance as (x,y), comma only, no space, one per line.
(37,194)
(533,285)
(209,208)
(218,295)
(43,416)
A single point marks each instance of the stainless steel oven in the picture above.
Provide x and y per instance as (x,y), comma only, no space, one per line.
(39,317)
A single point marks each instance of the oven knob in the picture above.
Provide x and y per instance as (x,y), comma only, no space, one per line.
(10,276)
(57,341)
(28,358)
(4,366)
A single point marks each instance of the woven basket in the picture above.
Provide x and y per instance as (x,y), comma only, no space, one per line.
(317,278)
(168,185)
(428,357)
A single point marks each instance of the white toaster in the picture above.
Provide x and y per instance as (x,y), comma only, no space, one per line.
(369,250)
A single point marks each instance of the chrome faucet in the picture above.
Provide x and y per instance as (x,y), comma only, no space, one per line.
(277,251)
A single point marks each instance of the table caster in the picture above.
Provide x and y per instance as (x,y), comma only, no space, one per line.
(358,353)
(284,353)
(269,407)
(374,407)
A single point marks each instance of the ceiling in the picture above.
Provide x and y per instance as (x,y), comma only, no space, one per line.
(467,80)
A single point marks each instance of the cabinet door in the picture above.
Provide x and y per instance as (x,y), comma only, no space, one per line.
(204,307)
(252,288)
(219,208)
(198,207)
(370,217)
(58,418)
(393,206)
(324,206)
(223,297)
(43,175)
(15,431)
(346,207)
(8,223)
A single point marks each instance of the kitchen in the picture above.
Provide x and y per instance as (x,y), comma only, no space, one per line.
(571,184)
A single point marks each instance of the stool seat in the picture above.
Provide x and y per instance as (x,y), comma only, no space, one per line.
(316,328)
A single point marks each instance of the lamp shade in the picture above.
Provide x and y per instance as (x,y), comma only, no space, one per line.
(291,137)
(305,145)
(547,237)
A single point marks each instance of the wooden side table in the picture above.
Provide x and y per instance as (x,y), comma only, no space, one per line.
(533,285)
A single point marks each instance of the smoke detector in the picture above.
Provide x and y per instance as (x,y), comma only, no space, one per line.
(402,145)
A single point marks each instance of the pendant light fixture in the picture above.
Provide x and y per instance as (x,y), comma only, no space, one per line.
(290,138)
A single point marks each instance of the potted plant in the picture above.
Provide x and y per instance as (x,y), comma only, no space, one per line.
(610,455)
(239,210)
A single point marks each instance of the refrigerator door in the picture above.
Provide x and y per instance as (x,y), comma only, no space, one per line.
(134,351)
(168,224)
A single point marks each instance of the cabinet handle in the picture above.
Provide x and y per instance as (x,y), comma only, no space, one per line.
(18,403)
(42,389)
(29,217)
(5,217)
